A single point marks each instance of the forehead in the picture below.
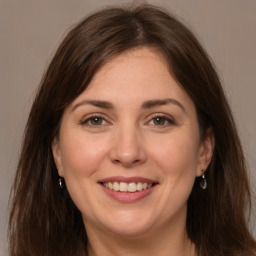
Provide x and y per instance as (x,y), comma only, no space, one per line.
(133,76)
(139,61)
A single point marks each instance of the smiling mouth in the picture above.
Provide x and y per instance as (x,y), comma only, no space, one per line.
(127,187)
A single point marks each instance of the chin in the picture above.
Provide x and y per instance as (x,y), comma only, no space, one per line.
(130,223)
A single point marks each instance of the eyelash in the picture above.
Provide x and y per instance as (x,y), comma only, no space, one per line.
(169,120)
(87,121)
(90,119)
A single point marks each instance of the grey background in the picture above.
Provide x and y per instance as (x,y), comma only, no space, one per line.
(30,32)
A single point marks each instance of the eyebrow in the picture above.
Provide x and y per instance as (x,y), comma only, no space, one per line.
(96,103)
(161,102)
(145,105)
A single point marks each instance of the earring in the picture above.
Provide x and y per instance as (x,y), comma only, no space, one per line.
(61,183)
(203,182)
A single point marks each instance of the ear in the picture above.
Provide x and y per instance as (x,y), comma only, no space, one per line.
(206,150)
(57,156)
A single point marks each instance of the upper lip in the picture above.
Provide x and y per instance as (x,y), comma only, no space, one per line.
(127,179)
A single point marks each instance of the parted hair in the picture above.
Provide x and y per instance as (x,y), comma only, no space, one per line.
(44,221)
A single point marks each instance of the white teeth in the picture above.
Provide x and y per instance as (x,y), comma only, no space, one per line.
(123,187)
(127,187)
(110,185)
(139,186)
(132,187)
(116,186)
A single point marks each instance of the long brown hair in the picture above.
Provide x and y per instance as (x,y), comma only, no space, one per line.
(45,221)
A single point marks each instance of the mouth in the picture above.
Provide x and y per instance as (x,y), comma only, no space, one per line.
(127,189)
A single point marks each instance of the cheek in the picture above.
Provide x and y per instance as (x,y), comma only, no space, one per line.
(81,156)
(177,160)
(177,156)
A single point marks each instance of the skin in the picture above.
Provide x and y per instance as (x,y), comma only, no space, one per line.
(128,140)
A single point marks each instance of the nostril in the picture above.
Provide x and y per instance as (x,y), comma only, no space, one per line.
(127,153)
(126,162)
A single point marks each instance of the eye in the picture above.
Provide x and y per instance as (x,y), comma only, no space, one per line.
(161,121)
(94,121)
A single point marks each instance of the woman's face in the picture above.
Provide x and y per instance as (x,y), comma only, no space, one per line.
(133,129)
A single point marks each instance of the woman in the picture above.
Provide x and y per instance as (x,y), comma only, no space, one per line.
(130,147)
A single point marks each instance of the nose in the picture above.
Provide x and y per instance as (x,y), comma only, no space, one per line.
(128,149)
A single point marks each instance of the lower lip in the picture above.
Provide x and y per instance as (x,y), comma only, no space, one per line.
(128,197)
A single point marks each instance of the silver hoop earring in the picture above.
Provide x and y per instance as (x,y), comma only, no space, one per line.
(203,182)
(61,183)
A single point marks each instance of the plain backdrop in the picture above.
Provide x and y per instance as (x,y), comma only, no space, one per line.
(30,32)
